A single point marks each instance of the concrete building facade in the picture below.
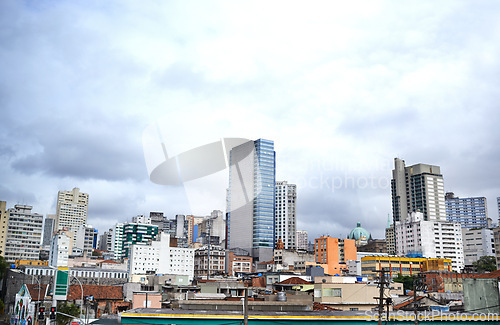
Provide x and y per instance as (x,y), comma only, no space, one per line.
(159,257)
(416,237)
(302,240)
(4,221)
(333,254)
(251,198)
(470,212)
(209,262)
(86,239)
(417,188)
(24,234)
(72,208)
(477,242)
(60,248)
(285,214)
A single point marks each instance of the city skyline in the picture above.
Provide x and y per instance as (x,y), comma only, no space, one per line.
(340,88)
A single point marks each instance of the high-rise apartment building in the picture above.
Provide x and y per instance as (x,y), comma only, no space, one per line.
(118,241)
(251,198)
(86,239)
(160,257)
(4,221)
(416,237)
(106,241)
(72,207)
(285,217)
(302,240)
(137,234)
(49,227)
(498,206)
(334,253)
(24,234)
(477,242)
(390,239)
(417,188)
(61,247)
(470,212)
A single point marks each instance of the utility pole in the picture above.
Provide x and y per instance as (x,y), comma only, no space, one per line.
(245,307)
(418,285)
(382,284)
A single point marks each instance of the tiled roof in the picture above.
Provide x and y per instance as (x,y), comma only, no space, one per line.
(110,262)
(494,274)
(267,262)
(407,302)
(33,290)
(295,280)
(99,292)
(318,306)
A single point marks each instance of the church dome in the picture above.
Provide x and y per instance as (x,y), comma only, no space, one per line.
(359,233)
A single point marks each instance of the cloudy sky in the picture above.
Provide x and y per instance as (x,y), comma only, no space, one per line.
(342,87)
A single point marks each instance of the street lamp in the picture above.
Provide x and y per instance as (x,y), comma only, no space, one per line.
(39,285)
(81,287)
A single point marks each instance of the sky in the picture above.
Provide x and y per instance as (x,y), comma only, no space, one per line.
(341,87)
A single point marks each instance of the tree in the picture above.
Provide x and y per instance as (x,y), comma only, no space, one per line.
(406,280)
(70,309)
(485,264)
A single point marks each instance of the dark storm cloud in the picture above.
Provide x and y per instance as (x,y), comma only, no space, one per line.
(13,196)
(103,150)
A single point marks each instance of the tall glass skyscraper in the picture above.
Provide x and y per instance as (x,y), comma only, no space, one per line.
(251,198)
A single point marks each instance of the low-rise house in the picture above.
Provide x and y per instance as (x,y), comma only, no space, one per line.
(102,299)
(348,293)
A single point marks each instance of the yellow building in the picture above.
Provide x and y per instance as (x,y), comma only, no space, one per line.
(30,262)
(402,265)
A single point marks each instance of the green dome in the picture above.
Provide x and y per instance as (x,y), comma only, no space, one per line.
(359,232)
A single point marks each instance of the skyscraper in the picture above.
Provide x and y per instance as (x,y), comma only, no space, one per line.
(72,209)
(470,212)
(251,198)
(417,188)
(285,220)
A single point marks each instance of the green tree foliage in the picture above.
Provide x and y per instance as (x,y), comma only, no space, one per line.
(3,266)
(406,280)
(70,309)
(485,264)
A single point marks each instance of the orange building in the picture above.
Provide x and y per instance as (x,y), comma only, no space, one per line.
(333,253)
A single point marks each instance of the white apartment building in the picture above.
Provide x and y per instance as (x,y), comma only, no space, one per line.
(85,237)
(23,234)
(72,207)
(477,242)
(302,240)
(432,239)
(117,241)
(285,216)
(161,258)
(60,248)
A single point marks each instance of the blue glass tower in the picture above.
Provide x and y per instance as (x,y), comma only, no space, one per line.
(251,198)
(265,179)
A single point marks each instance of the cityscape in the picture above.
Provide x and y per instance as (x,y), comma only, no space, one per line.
(218,162)
(253,249)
